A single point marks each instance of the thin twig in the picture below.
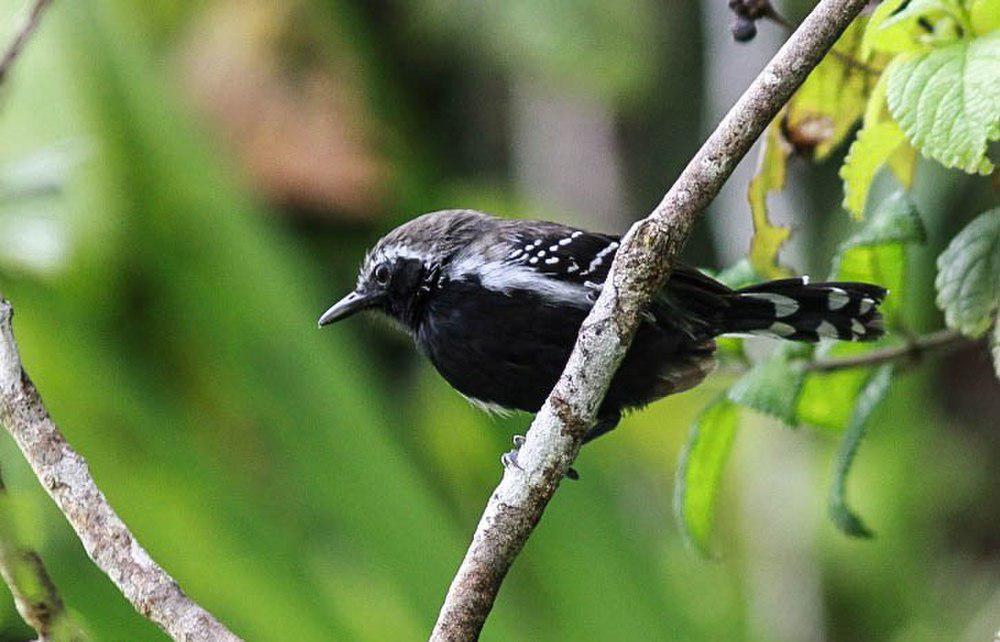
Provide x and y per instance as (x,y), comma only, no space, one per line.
(21,39)
(65,476)
(641,266)
(34,593)
(913,349)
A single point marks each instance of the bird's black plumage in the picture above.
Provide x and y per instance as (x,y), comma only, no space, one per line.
(496,305)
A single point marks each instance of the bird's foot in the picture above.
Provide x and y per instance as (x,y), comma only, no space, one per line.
(509,458)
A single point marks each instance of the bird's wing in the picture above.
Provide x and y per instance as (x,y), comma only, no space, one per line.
(563,253)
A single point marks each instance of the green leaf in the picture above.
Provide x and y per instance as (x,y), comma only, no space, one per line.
(767,237)
(878,38)
(968,280)
(831,100)
(947,101)
(772,386)
(915,9)
(827,399)
(739,275)
(845,518)
(877,253)
(984,16)
(700,469)
(872,149)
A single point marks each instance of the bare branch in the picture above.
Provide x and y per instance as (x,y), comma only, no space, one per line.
(65,476)
(639,270)
(913,349)
(21,39)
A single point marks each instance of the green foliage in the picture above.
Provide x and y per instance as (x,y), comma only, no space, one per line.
(968,280)
(782,387)
(947,100)
(869,398)
(877,253)
(699,471)
(772,386)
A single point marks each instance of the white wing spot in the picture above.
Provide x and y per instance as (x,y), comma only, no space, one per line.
(533,260)
(553,248)
(566,241)
(576,234)
(866,306)
(596,262)
(552,261)
(573,268)
(858,328)
(541,253)
(515,254)
(837,298)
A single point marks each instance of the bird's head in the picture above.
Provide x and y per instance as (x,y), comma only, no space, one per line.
(408,264)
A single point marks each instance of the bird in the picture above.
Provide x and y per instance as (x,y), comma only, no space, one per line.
(496,305)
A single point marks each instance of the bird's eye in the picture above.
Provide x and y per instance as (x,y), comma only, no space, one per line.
(382,274)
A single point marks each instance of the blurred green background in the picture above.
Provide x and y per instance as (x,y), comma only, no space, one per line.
(185,186)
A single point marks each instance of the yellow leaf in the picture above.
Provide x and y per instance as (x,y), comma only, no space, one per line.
(767,237)
(873,147)
(833,97)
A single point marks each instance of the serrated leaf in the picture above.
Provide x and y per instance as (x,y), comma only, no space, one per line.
(947,101)
(767,237)
(877,253)
(845,518)
(968,280)
(872,149)
(895,221)
(699,471)
(772,386)
(831,100)
(984,16)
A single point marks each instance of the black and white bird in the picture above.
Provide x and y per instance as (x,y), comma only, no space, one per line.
(496,305)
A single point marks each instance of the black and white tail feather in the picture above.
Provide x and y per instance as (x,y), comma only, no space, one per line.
(801,311)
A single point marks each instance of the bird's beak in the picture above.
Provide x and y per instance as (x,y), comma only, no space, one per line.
(350,304)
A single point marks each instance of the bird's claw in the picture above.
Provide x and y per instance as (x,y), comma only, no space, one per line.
(509,458)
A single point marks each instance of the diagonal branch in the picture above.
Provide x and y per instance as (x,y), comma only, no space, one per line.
(640,268)
(65,476)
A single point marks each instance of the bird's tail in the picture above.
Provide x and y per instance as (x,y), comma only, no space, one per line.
(801,311)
